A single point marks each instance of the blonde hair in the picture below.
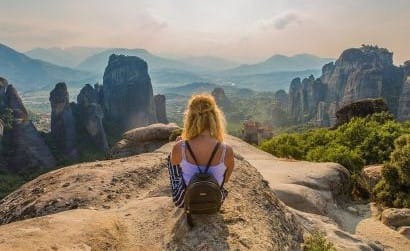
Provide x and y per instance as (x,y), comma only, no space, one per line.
(202,114)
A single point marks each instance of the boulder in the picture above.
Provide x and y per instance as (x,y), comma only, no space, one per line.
(396,217)
(63,126)
(127,91)
(371,175)
(143,139)
(160,108)
(90,114)
(404,231)
(361,108)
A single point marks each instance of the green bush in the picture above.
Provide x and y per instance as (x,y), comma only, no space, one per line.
(393,189)
(317,242)
(360,142)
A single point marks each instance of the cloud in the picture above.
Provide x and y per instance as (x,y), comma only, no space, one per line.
(282,20)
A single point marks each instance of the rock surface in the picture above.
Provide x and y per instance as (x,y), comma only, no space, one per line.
(404,100)
(160,108)
(143,139)
(396,217)
(124,205)
(3,88)
(63,125)
(361,108)
(127,90)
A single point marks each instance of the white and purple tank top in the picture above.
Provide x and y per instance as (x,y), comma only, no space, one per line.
(189,169)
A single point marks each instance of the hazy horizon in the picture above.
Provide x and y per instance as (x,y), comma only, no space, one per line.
(238,30)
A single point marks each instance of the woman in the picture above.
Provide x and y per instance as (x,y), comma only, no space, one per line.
(203,129)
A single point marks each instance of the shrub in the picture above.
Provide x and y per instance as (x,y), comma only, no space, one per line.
(317,242)
(393,189)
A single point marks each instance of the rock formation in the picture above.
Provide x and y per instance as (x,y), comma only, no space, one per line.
(142,140)
(221,99)
(14,102)
(26,150)
(3,88)
(404,100)
(359,73)
(127,90)
(160,108)
(361,108)
(63,127)
(90,114)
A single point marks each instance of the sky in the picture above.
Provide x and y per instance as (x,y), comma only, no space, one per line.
(240,30)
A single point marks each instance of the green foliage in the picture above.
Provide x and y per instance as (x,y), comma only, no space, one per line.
(393,189)
(360,142)
(317,242)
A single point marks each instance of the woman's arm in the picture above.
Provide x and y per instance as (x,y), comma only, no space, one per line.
(229,162)
(176,155)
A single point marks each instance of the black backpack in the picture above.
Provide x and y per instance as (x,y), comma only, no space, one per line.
(203,194)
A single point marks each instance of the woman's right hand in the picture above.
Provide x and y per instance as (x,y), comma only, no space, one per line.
(179,138)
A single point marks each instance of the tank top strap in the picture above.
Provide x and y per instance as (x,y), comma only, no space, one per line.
(183,150)
(223,153)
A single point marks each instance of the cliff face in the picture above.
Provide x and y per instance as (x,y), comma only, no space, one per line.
(160,108)
(404,101)
(128,95)
(359,73)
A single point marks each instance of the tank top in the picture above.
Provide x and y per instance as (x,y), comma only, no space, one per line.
(189,169)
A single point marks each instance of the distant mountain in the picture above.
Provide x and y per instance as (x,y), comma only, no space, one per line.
(98,62)
(210,63)
(27,74)
(282,63)
(69,57)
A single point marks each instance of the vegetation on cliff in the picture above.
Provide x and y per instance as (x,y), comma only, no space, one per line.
(362,141)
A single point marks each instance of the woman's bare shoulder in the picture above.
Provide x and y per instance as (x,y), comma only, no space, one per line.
(176,152)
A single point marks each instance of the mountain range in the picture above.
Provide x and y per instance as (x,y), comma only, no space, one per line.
(43,67)
(28,74)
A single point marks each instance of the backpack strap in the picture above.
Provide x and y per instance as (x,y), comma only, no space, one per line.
(193,155)
(210,159)
(212,156)
(183,150)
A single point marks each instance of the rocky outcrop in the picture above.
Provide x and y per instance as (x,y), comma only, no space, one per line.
(305,97)
(89,115)
(14,102)
(221,98)
(282,100)
(361,108)
(124,204)
(127,90)
(160,108)
(63,125)
(29,150)
(142,140)
(359,73)
(26,150)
